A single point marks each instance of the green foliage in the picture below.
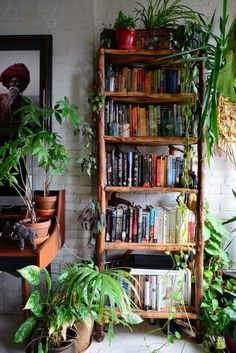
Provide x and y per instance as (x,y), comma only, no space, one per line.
(93,220)
(124,21)
(215,260)
(50,313)
(158,14)
(34,139)
(81,292)
(99,294)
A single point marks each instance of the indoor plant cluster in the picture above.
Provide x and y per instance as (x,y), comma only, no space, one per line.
(81,293)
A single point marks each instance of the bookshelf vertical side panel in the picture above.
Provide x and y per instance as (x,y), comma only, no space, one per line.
(100,244)
(200,209)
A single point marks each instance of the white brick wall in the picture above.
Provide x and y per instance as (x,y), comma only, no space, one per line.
(75,26)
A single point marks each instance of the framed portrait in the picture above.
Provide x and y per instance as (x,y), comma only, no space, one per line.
(35,52)
(27,59)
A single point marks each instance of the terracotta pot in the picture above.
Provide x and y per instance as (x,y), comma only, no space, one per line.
(84,333)
(41,227)
(125,38)
(45,205)
(230,343)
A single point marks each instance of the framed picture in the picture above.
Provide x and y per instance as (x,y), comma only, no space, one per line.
(25,69)
(35,52)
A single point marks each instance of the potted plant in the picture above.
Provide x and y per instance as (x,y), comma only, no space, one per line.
(51,318)
(159,19)
(33,139)
(124,27)
(101,296)
(82,292)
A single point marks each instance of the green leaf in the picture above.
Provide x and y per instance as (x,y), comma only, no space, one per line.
(170,339)
(31,274)
(25,329)
(33,303)
(132,318)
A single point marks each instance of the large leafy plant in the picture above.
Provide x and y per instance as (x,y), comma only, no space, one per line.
(33,139)
(50,312)
(81,292)
(103,295)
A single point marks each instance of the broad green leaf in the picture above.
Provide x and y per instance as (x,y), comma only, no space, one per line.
(31,274)
(33,303)
(132,318)
(25,329)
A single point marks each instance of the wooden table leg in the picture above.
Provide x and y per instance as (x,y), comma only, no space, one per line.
(25,295)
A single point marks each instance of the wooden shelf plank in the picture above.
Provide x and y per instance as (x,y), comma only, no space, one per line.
(150,140)
(133,189)
(142,97)
(187,312)
(119,245)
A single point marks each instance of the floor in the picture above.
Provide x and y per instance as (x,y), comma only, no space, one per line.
(145,338)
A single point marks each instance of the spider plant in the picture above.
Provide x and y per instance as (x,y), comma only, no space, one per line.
(162,13)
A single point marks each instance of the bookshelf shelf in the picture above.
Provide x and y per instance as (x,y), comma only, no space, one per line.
(148,189)
(150,140)
(142,97)
(187,312)
(148,246)
(129,112)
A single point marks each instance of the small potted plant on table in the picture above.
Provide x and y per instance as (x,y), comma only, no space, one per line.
(33,139)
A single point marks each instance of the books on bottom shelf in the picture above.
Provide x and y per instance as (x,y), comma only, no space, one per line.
(162,289)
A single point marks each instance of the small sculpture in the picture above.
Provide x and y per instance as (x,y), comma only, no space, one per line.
(24,233)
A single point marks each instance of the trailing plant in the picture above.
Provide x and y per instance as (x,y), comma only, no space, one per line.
(158,14)
(89,161)
(93,220)
(124,21)
(215,260)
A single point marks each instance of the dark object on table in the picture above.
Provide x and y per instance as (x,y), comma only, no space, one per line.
(24,233)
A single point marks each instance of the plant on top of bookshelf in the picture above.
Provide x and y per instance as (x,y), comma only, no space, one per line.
(125,31)
(158,14)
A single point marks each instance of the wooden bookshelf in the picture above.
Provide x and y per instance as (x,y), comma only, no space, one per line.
(152,59)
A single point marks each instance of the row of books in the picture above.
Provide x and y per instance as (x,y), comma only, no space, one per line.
(149,225)
(152,120)
(161,289)
(147,170)
(141,79)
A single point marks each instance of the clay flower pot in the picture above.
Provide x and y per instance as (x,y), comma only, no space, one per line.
(41,228)
(45,205)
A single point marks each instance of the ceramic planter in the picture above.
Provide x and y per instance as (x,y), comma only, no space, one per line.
(125,38)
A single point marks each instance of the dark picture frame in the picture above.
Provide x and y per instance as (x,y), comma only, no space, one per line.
(35,51)
(39,47)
